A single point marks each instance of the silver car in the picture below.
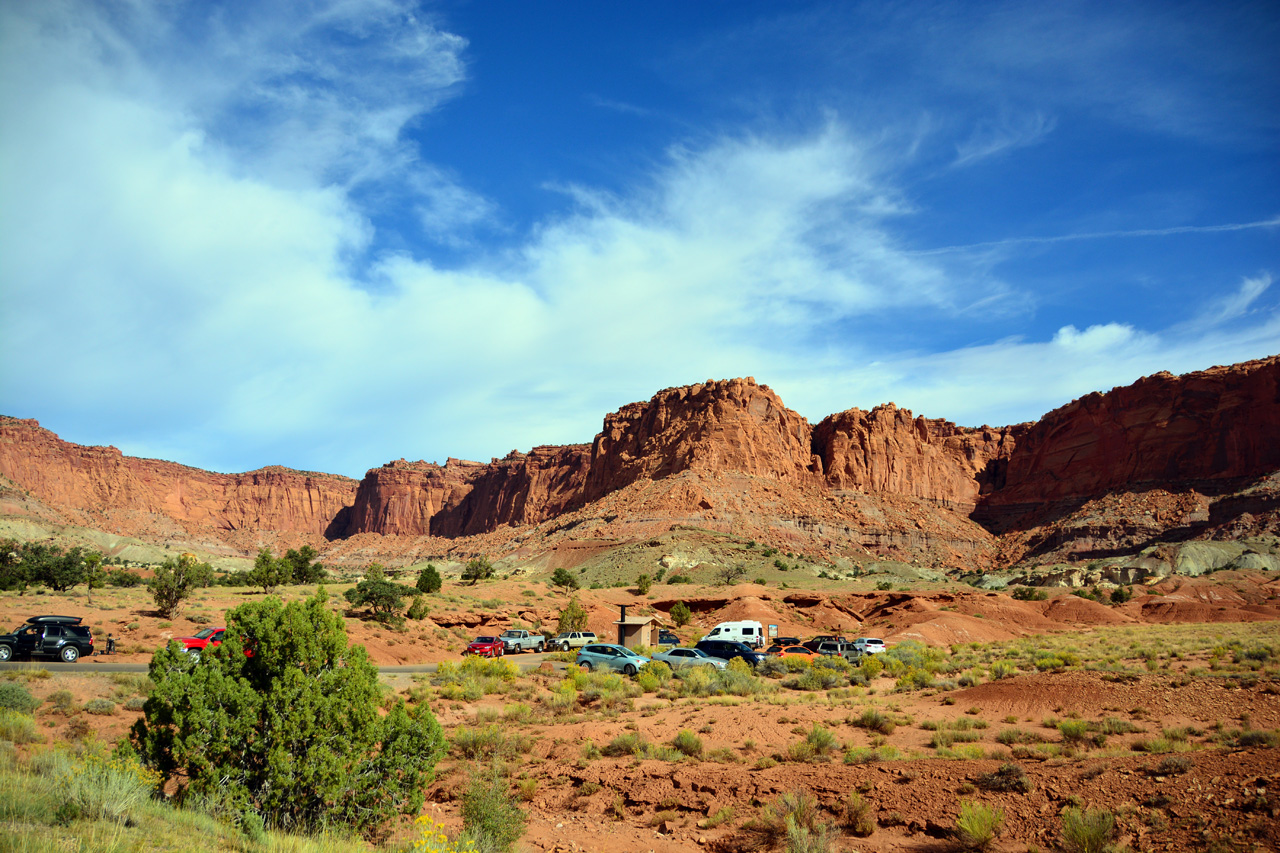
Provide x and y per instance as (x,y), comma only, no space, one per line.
(682,658)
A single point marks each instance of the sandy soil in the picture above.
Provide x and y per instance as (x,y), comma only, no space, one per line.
(1218,794)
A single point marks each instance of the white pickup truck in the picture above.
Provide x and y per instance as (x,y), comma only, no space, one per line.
(566,640)
(522,641)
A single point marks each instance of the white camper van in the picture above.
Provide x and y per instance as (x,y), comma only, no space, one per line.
(751,633)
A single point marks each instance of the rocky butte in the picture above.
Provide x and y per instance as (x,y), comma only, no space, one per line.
(730,455)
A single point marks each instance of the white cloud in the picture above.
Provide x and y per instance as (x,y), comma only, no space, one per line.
(992,138)
(177,232)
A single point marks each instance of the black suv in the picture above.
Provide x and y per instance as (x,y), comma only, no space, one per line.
(730,649)
(48,636)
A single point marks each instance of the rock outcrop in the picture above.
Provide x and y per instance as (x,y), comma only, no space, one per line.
(463,498)
(731,426)
(1210,431)
(1167,456)
(887,450)
(101,483)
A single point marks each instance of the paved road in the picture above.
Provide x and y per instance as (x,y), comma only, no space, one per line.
(103,663)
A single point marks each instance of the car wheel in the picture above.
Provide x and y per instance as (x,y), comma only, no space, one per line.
(69,654)
(586,666)
(6,652)
(195,655)
(542,647)
(629,669)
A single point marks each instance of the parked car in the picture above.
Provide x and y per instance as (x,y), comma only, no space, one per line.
(786,641)
(522,641)
(682,658)
(610,656)
(486,647)
(666,638)
(812,645)
(566,640)
(730,649)
(869,645)
(791,652)
(205,638)
(840,649)
(61,637)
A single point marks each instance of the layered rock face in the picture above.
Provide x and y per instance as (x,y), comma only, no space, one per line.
(463,498)
(1209,431)
(102,481)
(734,425)
(887,450)
(726,453)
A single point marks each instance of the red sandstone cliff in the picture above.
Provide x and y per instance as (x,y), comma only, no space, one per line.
(730,455)
(464,498)
(1206,430)
(734,425)
(887,451)
(98,481)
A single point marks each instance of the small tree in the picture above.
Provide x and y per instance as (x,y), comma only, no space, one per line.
(563,579)
(429,581)
(478,569)
(268,572)
(375,572)
(174,581)
(60,571)
(384,599)
(732,574)
(573,617)
(680,614)
(293,732)
(95,577)
(644,583)
(302,566)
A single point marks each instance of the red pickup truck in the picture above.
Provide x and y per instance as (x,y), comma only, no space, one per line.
(486,647)
(205,638)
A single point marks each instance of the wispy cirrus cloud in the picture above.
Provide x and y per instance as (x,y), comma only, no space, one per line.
(1009,132)
(1273,222)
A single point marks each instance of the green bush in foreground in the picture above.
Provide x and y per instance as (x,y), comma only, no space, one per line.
(15,697)
(978,825)
(490,818)
(1087,831)
(292,732)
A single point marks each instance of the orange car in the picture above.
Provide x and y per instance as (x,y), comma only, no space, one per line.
(792,652)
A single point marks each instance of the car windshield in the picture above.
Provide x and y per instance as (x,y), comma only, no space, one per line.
(625,652)
(486,639)
(204,633)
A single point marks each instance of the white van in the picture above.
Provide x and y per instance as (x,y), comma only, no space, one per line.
(751,633)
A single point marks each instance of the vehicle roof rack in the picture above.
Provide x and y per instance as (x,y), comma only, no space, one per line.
(54,620)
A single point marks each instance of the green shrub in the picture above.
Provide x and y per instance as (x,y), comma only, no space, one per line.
(978,825)
(102,707)
(1073,731)
(299,731)
(793,820)
(857,816)
(15,697)
(688,743)
(18,727)
(1087,831)
(1009,777)
(875,720)
(490,816)
(417,609)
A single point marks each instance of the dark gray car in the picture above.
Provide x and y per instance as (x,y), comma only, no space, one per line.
(61,637)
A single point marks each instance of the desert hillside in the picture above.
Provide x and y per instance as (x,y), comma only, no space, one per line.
(1123,483)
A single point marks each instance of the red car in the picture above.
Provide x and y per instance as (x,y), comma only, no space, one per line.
(486,647)
(205,638)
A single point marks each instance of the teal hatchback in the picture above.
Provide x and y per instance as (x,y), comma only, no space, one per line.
(610,656)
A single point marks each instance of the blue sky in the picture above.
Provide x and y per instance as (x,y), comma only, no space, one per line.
(332,234)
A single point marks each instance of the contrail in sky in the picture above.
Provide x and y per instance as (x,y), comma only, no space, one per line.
(1095,235)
